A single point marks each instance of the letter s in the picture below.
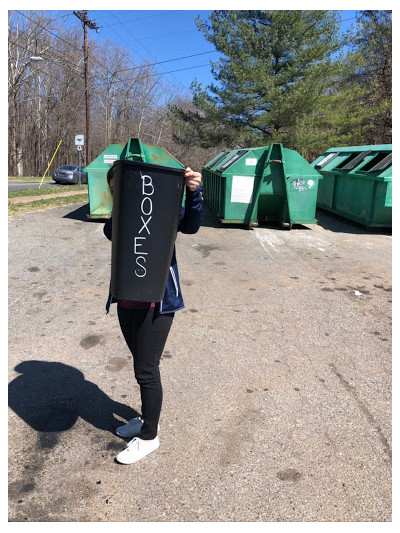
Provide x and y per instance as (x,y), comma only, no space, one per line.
(143,268)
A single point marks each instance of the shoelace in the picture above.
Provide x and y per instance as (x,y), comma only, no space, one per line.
(133,442)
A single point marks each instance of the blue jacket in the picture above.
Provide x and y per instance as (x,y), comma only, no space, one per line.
(189,222)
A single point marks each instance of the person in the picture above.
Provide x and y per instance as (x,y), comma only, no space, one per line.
(145,327)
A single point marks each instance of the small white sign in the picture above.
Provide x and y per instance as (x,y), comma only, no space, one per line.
(250,162)
(79,140)
(299,184)
(242,189)
(110,158)
(79,147)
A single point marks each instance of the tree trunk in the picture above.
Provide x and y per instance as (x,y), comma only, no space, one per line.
(13,137)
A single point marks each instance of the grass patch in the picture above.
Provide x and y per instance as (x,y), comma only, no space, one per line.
(48,190)
(39,205)
(30,178)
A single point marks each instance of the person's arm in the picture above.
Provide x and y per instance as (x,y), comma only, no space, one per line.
(190,215)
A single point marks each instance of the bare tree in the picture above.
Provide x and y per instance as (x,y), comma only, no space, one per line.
(46,98)
(24,43)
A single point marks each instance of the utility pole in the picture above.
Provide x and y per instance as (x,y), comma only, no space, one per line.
(82,16)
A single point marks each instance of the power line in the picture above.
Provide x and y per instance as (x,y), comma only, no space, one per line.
(132,20)
(144,47)
(47,29)
(170,71)
(75,47)
(167,61)
(93,59)
(50,75)
(163,36)
(45,72)
(62,81)
(127,69)
(72,69)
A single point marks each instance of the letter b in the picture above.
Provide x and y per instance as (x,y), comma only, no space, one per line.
(147,185)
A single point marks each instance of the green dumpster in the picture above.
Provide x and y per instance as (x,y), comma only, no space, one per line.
(357,183)
(100,200)
(269,183)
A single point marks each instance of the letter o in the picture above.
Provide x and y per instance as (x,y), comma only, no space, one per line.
(150,206)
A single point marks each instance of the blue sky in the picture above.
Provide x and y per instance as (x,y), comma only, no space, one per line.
(161,35)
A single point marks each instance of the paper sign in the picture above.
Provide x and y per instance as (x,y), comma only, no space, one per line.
(110,158)
(251,162)
(242,189)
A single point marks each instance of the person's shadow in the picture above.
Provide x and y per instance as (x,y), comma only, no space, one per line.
(51,396)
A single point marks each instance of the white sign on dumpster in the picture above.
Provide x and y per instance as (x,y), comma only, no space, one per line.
(108,158)
(242,189)
(79,140)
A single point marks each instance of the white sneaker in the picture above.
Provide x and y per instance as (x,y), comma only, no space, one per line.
(132,428)
(137,449)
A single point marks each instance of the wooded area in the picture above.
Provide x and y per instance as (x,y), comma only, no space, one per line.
(283,76)
(291,77)
(47,98)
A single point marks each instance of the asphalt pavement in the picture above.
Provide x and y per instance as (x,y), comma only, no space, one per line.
(276,377)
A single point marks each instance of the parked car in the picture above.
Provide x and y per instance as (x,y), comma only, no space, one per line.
(69,174)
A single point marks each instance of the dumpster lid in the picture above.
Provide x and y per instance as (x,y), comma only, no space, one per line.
(217,159)
(232,160)
(326,159)
(353,160)
(379,162)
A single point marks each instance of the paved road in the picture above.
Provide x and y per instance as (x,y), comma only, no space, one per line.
(21,185)
(277,378)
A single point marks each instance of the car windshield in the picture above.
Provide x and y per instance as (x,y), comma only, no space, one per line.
(67,167)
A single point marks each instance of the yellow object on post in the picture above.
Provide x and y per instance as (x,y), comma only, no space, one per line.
(50,163)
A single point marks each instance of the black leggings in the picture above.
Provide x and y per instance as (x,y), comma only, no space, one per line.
(146,332)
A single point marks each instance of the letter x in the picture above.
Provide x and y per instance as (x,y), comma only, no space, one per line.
(145,225)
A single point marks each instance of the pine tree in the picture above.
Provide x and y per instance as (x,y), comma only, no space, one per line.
(276,68)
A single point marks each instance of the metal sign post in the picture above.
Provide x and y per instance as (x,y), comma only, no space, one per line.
(79,148)
(79,142)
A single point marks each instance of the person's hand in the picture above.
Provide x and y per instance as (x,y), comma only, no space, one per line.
(193,179)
